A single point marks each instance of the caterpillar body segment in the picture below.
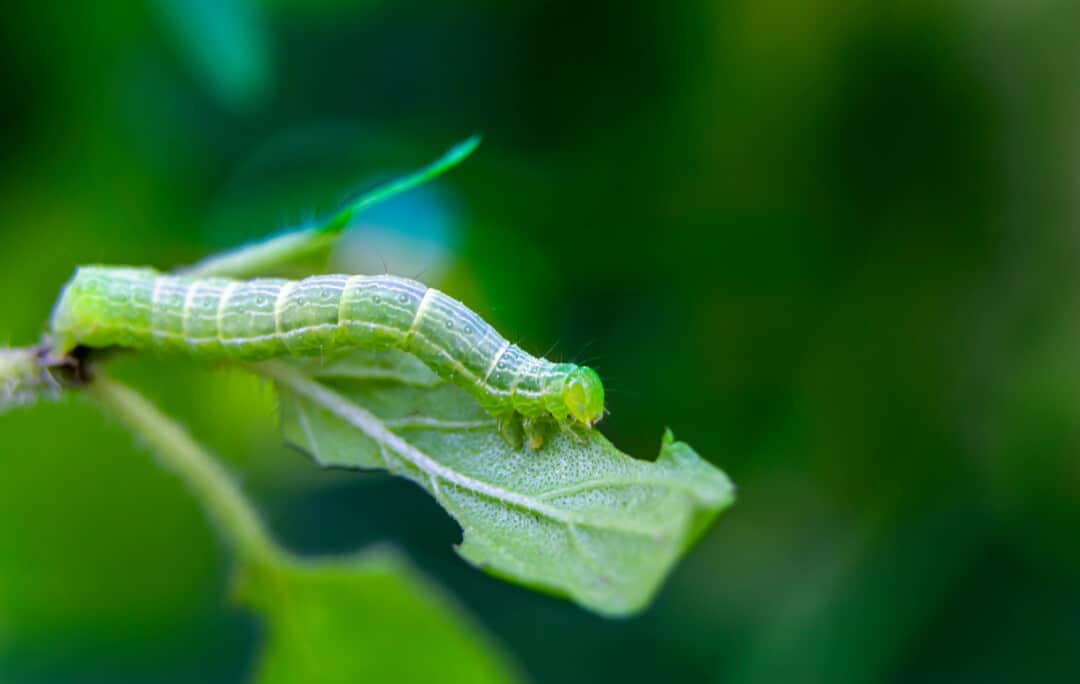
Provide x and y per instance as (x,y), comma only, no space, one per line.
(252,320)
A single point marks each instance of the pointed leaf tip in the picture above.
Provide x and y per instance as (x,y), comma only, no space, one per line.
(451,158)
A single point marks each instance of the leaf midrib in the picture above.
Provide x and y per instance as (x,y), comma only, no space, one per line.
(373,427)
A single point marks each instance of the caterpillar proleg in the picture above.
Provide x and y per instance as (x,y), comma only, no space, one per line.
(254,320)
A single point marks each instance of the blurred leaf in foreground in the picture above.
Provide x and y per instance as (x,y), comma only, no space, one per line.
(360,618)
(580,520)
(365,618)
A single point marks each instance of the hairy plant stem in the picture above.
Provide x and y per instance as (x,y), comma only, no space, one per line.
(180,453)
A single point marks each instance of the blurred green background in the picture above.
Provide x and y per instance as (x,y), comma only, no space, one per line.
(833,245)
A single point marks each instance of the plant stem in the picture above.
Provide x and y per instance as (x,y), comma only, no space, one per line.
(180,453)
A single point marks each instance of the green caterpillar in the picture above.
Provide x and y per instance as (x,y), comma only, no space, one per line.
(252,320)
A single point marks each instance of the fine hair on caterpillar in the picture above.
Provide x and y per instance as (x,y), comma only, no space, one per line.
(259,319)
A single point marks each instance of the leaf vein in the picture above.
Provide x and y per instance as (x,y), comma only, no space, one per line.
(373,427)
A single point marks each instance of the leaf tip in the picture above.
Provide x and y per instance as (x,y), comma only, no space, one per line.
(451,158)
(711,486)
(463,149)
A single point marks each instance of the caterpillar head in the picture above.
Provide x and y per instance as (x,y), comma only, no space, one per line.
(584,395)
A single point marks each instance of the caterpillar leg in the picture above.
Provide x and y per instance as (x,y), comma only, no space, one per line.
(510,427)
(574,430)
(534,431)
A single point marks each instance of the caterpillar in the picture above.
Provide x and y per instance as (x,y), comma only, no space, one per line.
(253,320)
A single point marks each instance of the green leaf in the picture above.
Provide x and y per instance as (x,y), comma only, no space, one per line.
(271,255)
(360,618)
(580,520)
(365,618)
